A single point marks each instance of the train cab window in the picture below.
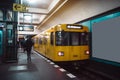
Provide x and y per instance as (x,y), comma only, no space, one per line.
(62,38)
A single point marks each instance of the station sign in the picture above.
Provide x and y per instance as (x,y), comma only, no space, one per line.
(26,28)
(19,7)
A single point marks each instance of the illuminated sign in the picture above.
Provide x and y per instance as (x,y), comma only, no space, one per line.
(26,28)
(74,26)
(19,7)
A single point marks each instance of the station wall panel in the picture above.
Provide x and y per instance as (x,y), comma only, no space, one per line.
(105,38)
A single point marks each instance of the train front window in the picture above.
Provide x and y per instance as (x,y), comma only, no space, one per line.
(71,38)
(84,38)
(62,38)
(75,38)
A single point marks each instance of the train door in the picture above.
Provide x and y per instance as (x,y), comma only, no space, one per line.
(79,45)
(51,47)
(74,48)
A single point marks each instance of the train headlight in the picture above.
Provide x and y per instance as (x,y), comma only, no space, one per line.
(60,53)
(87,52)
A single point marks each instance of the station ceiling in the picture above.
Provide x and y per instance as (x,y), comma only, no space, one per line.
(38,10)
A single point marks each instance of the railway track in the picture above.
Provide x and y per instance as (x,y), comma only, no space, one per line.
(83,72)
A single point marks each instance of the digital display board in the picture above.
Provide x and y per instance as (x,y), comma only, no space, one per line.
(74,26)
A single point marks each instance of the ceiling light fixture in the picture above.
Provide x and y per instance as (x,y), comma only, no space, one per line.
(32,1)
(28,18)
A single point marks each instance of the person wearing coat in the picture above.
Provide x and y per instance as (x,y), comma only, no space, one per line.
(28,46)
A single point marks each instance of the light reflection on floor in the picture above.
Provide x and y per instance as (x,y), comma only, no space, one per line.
(16,68)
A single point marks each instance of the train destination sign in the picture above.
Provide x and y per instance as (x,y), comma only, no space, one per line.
(74,27)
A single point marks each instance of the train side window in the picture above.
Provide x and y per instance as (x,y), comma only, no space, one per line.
(40,41)
(44,40)
(51,38)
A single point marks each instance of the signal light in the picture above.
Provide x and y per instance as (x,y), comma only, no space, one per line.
(60,53)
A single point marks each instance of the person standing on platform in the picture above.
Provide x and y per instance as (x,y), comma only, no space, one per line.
(28,46)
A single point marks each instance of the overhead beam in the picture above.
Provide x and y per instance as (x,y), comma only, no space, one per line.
(25,23)
(36,10)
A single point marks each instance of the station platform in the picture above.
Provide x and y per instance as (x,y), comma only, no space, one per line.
(39,68)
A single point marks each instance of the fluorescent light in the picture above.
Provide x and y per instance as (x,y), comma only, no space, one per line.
(28,18)
(35,1)
(32,1)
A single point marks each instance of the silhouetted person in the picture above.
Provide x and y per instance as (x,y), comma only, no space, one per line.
(24,46)
(28,45)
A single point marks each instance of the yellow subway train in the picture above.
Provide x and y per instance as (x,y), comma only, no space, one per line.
(64,42)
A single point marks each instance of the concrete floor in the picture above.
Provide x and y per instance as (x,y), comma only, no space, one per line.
(38,69)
